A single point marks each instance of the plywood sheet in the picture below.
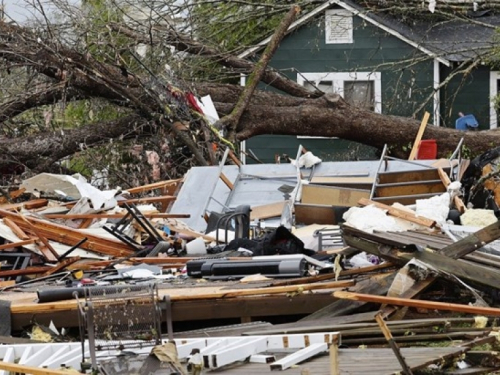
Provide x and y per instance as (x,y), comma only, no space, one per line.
(314,214)
(332,196)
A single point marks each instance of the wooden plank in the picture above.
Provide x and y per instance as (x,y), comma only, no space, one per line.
(396,212)
(26,271)
(12,195)
(233,157)
(43,244)
(473,242)
(22,369)
(466,270)
(14,228)
(70,236)
(314,214)
(415,188)
(267,211)
(157,185)
(360,182)
(388,336)
(29,205)
(16,244)
(226,180)
(332,196)
(407,176)
(459,204)
(430,305)
(113,216)
(418,138)
(147,200)
(61,265)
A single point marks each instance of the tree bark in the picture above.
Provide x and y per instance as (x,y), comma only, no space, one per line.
(79,75)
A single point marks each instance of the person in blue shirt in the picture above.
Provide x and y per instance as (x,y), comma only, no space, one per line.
(466,122)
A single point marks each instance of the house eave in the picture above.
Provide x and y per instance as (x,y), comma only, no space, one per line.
(356,12)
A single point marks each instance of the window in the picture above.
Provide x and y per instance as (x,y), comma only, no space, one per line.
(338,26)
(360,94)
(357,88)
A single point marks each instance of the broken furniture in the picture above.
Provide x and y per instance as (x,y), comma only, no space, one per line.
(118,230)
(118,318)
(237,220)
(405,187)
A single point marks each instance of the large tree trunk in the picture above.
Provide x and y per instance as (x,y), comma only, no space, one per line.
(78,75)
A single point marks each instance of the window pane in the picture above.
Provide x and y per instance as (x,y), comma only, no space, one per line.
(360,94)
(325,86)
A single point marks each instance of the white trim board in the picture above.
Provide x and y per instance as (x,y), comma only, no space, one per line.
(301,21)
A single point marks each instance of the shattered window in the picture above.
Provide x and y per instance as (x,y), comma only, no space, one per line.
(360,94)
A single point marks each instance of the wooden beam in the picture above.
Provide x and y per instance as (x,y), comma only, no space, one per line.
(61,265)
(13,195)
(233,157)
(394,346)
(154,186)
(459,204)
(70,236)
(430,305)
(473,242)
(147,200)
(17,244)
(29,205)
(26,271)
(402,214)
(226,180)
(418,138)
(14,228)
(463,269)
(22,369)
(114,216)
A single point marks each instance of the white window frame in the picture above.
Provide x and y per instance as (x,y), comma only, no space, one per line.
(338,80)
(344,21)
(494,77)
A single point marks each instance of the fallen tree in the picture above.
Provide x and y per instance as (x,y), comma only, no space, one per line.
(149,104)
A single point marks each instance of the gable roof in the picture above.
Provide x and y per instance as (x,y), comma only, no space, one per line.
(455,40)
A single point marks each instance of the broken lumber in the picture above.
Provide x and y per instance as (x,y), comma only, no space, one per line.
(473,242)
(459,204)
(22,369)
(394,346)
(418,138)
(441,262)
(396,212)
(430,305)
(70,236)
(167,187)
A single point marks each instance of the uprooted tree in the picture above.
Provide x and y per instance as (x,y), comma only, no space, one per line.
(113,74)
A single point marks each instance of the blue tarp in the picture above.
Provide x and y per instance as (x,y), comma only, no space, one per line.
(466,122)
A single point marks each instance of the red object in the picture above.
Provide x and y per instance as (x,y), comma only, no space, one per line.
(192,102)
(427,150)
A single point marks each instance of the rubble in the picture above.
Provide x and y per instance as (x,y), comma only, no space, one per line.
(342,244)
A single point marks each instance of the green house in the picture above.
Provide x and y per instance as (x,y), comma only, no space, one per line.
(388,66)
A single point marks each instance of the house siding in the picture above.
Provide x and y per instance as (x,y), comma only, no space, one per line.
(405,82)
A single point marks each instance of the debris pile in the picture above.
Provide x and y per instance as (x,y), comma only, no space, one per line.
(375,252)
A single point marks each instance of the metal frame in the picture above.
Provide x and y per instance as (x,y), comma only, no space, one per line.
(101,313)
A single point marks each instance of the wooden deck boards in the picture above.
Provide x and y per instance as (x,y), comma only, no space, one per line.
(355,362)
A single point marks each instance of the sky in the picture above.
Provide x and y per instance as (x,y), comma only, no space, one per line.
(16,9)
